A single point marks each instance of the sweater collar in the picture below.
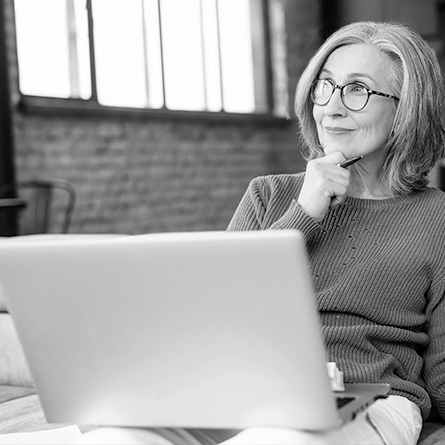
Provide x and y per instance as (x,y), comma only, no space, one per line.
(384,203)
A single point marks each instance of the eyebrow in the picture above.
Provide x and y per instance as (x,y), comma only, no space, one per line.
(352,75)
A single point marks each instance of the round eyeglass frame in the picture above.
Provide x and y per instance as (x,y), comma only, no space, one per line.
(342,96)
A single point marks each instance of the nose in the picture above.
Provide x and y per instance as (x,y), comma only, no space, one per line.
(335,106)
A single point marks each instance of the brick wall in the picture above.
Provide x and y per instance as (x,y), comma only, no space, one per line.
(138,175)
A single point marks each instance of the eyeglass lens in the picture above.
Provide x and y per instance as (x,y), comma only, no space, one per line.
(354,96)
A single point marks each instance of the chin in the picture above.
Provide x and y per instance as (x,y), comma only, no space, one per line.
(333,149)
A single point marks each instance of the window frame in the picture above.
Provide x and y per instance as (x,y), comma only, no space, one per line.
(91,107)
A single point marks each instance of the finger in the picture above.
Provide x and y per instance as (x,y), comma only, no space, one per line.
(333,158)
(329,171)
(336,201)
(340,194)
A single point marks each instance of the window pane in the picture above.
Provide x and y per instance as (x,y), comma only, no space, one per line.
(236,55)
(191,55)
(211,55)
(182,48)
(42,47)
(153,54)
(83,51)
(119,53)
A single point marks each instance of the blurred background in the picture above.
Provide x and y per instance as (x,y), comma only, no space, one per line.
(158,113)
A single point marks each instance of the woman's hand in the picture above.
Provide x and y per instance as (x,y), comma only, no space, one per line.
(325,185)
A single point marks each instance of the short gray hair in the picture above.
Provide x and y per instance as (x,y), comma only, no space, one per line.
(417,138)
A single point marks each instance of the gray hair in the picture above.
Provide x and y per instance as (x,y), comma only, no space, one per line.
(417,138)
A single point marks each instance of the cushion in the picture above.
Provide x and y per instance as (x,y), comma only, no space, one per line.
(2,301)
(14,392)
(14,369)
(22,414)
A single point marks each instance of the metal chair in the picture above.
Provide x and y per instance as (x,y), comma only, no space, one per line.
(45,206)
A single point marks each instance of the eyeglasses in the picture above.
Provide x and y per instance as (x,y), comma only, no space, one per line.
(353,95)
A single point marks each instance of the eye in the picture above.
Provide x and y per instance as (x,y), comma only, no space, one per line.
(356,89)
(322,87)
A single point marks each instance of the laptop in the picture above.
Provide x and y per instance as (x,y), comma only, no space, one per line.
(197,329)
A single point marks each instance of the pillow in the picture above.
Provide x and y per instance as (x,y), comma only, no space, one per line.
(14,369)
(2,302)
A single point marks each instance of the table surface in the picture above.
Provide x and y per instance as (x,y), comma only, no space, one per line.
(25,414)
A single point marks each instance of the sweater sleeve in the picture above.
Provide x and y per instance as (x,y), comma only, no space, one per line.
(266,205)
(434,356)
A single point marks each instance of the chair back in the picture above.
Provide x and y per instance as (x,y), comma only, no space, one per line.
(49,202)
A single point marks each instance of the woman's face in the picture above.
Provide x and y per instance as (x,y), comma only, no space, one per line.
(361,132)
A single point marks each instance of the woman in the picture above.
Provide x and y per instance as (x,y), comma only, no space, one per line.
(375,232)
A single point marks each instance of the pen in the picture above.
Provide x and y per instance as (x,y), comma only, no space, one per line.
(349,162)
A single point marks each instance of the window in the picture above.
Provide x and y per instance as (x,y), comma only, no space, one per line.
(196,55)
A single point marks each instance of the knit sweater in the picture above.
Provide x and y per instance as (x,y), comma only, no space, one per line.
(378,269)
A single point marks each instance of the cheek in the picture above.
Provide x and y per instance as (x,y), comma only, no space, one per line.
(387,125)
(380,127)
(317,114)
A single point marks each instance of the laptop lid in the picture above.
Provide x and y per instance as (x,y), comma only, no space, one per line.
(198,329)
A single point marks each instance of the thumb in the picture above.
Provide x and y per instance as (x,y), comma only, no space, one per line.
(337,200)
(333,158)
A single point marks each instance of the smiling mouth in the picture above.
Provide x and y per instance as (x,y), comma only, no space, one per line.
(337,130)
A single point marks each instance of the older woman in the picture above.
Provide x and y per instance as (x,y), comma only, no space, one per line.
(375,232)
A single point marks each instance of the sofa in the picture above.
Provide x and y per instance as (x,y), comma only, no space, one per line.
(19,404)
(20,409)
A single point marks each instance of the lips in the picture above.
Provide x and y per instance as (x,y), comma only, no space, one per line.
(337,130)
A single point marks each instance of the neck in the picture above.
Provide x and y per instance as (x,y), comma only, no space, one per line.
(367,185)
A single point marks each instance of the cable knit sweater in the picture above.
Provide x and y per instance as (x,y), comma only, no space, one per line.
(378,269)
